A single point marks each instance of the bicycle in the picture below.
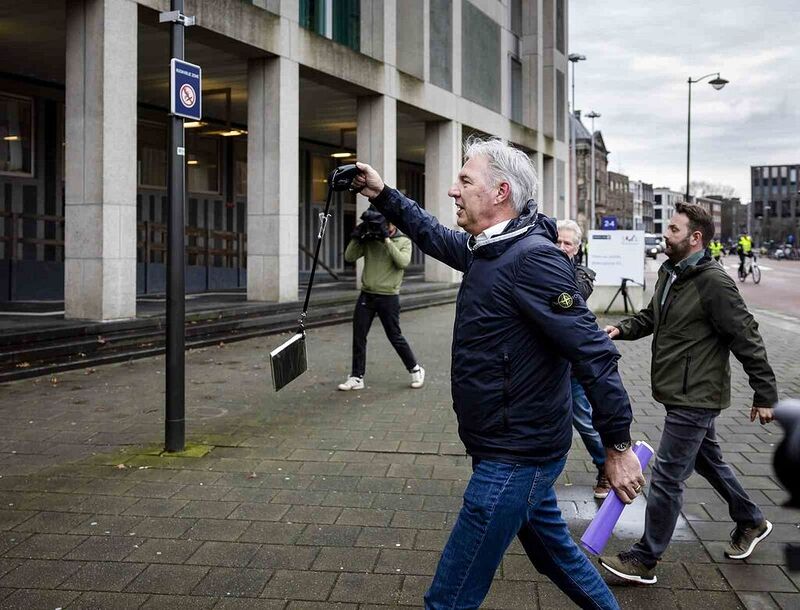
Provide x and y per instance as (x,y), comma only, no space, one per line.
(750,267)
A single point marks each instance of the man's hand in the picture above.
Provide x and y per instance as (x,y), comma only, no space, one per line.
(624,473)
(764,414)
(368,181)
(613,332)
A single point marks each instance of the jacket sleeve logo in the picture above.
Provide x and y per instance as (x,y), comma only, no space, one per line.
(565,300)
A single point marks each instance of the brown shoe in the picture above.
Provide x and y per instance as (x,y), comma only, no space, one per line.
(745,539)
(601,487)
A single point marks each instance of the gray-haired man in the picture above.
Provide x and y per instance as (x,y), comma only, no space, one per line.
(569,240)
(520,322)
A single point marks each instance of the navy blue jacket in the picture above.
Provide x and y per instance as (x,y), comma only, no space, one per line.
(513,343)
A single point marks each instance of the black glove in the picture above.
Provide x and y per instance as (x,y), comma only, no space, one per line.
(384,230)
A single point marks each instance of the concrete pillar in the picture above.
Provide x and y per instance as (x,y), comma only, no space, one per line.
(272,170)
(100,189)
(376,144)
(442,163)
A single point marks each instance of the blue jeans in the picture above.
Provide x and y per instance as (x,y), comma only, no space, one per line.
(582,420)
(502,501)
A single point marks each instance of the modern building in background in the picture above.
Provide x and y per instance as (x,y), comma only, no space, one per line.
(713,206)
(643,202)
(583,162)
(734,217)
(620,200)
(291,89)
(664,201)
(775,202)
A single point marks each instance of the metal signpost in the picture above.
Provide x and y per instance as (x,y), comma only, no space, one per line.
(185,101)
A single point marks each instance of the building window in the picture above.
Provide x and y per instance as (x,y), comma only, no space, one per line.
(773,209)
(441,43)
(657,213)
(758,208)
(347,23)
(516,17)
(203,163)
(16,136)
(339,20)
(793,175)
(786,209)
(560,33)
(516,90)
(152,155)
(560,105)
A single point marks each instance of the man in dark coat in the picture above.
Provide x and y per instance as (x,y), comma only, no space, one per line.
(521,326)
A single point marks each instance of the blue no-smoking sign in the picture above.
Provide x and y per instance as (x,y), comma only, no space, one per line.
(185,81)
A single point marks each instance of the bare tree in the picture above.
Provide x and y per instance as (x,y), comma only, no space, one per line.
(703,188)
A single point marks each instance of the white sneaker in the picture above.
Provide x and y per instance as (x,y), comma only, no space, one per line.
(352,383)
(417,377)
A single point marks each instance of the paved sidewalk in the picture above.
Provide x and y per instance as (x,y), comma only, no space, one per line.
(313,498)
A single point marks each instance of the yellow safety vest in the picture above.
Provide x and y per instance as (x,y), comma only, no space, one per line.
(716,248)
(746,244)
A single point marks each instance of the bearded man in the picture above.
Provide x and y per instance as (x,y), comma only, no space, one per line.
(697,318)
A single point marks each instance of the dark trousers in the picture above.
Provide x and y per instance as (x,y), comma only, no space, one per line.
(688,443)
(387,306)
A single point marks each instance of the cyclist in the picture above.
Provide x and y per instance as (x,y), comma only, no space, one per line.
(745,249)
(715,248)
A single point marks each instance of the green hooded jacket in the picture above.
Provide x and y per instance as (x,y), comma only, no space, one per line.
(703,319)
(384,263)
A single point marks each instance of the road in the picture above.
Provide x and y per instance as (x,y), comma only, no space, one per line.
(778,292)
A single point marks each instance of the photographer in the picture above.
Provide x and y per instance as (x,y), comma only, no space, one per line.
(386,255)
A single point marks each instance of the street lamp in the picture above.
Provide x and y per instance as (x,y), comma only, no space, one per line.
(574,58)
(593,115)
(718,83)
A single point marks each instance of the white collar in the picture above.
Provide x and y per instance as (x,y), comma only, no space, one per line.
(492,231)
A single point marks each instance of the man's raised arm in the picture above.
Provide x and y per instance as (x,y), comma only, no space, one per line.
(436,240)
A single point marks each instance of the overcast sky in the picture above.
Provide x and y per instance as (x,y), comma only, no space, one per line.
(639,56)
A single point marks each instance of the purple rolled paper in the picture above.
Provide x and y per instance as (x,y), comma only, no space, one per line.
(599,531)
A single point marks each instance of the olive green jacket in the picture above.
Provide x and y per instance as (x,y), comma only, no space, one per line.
(384,263)
(703,319)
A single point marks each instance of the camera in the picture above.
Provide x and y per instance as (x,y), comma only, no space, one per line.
(373,226)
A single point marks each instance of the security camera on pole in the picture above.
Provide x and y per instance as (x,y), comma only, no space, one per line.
(185,102)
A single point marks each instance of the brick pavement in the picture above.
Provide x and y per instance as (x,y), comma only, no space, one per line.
(317,499)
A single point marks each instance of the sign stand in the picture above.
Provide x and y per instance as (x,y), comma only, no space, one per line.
(185,100)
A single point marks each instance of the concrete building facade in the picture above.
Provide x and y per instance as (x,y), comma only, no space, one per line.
(664,201)
(775,202)
(714,207)
(733,215)
(291,89)
(620,200)
(643,201)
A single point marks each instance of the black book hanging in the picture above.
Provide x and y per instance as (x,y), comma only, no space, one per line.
(290,360)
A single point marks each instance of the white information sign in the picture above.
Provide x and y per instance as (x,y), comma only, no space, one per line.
(614,255)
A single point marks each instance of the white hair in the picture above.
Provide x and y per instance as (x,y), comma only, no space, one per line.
(571,225)
(506,164)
